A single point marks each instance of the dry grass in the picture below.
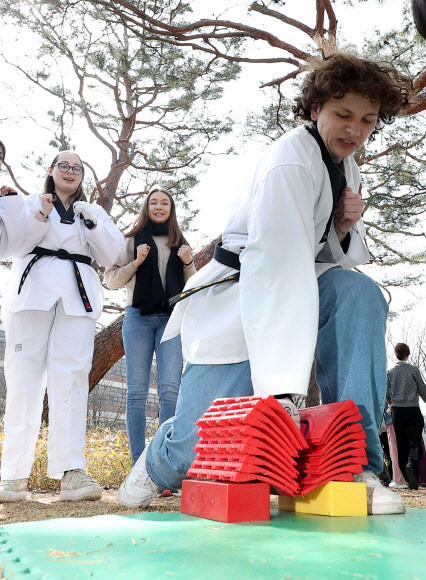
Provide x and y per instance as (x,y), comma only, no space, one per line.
(107,453)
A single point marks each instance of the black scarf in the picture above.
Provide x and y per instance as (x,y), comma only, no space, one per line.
(337,178)
(149,295)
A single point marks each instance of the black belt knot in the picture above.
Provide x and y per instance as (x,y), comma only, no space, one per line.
(62,255)
(225,257)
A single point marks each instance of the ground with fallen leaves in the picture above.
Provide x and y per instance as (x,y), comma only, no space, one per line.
(46,505)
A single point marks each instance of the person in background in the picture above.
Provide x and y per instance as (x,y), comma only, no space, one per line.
(12,211)
(154,265)
(404,387)
(49,313)
(388,440)
(385,475)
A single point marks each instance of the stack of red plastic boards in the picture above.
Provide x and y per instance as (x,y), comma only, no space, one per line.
(336,445)
(253,439)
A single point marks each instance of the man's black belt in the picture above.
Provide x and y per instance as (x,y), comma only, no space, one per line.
(62,255)
(222,256)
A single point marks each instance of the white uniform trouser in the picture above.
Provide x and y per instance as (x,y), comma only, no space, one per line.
(54,351)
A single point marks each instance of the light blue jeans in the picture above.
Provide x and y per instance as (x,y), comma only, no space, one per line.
(141,337)
(351,364)
(171,452)
(351,354)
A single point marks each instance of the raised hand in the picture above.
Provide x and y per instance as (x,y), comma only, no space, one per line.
(348,210)
(184,254)
(46,203)
(141,253)
(6,190)
(85,210)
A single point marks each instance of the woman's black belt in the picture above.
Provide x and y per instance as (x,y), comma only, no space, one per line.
(222,256)
(62,255)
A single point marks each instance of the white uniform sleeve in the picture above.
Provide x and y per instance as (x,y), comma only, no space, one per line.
(21,231)
(357,253)
(105,240)
(278,286)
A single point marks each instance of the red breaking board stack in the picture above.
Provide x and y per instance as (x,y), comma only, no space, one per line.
(336,445)
(248,439)
(253,439)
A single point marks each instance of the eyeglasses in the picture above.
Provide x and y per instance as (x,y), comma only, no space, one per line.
(64,168)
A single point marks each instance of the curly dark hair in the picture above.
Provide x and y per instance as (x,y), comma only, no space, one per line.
(342,73)
(402,351)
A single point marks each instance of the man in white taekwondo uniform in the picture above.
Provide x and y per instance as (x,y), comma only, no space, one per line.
(299,221)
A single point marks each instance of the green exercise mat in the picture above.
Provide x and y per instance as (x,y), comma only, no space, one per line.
(158,545)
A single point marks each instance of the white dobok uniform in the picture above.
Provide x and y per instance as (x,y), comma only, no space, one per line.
(50,338)
(13,225)
(271,315)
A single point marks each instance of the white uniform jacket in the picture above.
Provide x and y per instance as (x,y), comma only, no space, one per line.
(271,315)
(50,278)
(14,226)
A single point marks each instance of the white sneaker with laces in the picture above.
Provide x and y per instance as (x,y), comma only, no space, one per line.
(76,485)
(138,489)
(394,485)
(291,409)
(380,500)
(13,490)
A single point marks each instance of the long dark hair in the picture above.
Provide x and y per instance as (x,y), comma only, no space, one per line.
(49,184)
(176,237)
(4,149)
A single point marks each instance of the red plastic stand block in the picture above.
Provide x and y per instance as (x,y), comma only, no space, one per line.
(226,502)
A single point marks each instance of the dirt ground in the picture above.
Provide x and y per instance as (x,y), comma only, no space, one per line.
(45,506)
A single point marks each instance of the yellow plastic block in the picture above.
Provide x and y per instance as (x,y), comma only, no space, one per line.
(335,498)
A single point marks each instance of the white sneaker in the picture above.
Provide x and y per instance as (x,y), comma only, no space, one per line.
(380,500)
(138,489)
(291,409)
(394,485)
(13,490)
(76,485)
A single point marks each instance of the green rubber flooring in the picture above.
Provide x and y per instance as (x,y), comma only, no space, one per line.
(156,545)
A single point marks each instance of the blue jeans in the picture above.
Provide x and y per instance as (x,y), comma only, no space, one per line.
(141,337)
(171,452)
(351,364)
(351,354)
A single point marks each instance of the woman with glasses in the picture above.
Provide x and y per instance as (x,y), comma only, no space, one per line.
(49,314)
(155,264)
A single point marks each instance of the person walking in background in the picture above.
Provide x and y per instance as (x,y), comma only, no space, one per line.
(404,387)
(154,265)
(49,313)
